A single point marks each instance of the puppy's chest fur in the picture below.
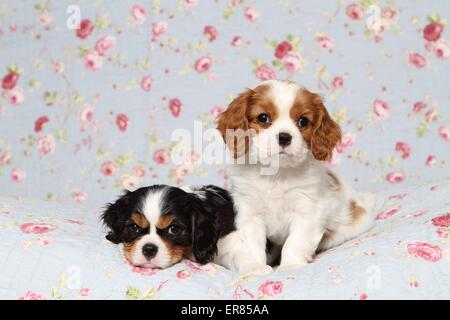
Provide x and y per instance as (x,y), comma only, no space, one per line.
(277,200)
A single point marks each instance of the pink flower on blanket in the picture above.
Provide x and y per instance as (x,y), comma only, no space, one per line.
(441,221)
(184,274)
(31,295)
(424,250)
(271,288)
(388,212)
(36,228)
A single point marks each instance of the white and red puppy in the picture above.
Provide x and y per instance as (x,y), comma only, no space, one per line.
(303,206)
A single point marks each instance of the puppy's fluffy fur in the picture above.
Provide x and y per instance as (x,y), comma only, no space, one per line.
(304,206)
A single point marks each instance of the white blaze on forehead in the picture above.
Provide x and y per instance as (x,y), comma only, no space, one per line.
(282,94)
(152,205)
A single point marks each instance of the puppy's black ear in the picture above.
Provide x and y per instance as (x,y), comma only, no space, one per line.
(205,235)
(113,218)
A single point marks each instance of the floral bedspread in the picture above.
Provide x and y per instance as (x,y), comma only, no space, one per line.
(52,250)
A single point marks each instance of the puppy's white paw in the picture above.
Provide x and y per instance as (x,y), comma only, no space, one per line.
(256,269)
(291,266)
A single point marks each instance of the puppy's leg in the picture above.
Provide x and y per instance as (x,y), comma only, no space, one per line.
(235,255)
(304,237)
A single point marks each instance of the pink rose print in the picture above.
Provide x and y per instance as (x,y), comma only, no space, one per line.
(210,32)
(139,171)
(347,141)
(292,62)
(138,13)
(404,149)
(363,296)
(325,42)
(264,72)
(417,60)
(159,28)
(58,67)
(216,111)
(424,250)
(104,44)
(431,160)
(85,29)
(414,214)
(17,175)
(251,14)
(338,83)
(108,168)
(36,228)
(282,49)
(46,145)
(190,2)
(130,181)
(442,232)
(395,177)
(46,18)
(144,271)
(86,114)
(444,132)
(40,122)
(45,241)
(196,267)
(14,96)
(418,106)
(175,107)
(398,196)
(388,212)
(442,221)
(9,81)
(236,41)
(84,292)
(93,60)
(31,295)
(441,49)
(183,274)
(271,288)
(146,83)
(381,109)
(161,156)
(431,115)
(122,122)
(79,196)
(389,13)
(203,64)
(355,11)
(432,31)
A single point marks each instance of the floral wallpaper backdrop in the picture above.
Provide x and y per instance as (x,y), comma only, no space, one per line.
(87,112)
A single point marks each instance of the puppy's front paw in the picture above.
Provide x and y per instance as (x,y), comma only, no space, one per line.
(291,266)
(256,269)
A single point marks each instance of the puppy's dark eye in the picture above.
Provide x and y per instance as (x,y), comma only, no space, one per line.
(264,118)
(134,228)
(303,122)
(174,229)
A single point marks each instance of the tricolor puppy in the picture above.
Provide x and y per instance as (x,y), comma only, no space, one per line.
(159,225)
(303,206)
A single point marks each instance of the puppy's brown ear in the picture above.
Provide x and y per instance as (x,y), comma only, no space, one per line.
(233,123)
(326,133)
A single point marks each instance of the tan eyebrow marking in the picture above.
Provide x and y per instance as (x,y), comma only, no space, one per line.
(165,221)
(140,220)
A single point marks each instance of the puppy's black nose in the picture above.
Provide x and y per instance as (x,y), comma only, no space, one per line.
(149,250)
(284,139)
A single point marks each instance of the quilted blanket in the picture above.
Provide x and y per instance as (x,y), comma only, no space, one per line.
(52,250)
